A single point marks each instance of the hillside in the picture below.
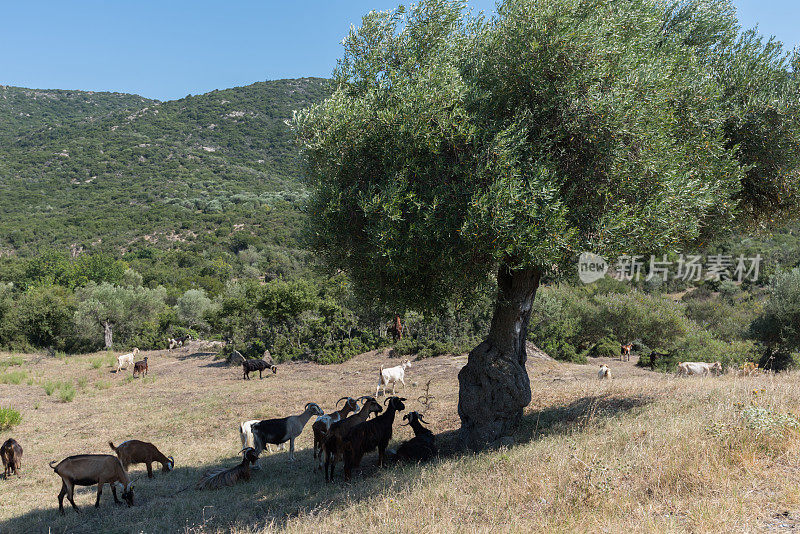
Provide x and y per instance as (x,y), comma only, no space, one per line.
(644,452)
(25,111)
(116,172)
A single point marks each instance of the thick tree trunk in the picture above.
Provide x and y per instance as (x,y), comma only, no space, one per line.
(108,334)
(494,385)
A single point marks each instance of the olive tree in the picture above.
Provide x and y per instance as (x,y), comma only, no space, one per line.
(105,309)
(456,153)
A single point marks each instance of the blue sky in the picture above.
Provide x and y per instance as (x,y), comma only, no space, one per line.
(172,48)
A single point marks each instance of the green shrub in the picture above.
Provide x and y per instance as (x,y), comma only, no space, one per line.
(12,361)
(66,393)
(13,377)
(607,347)
(9,417)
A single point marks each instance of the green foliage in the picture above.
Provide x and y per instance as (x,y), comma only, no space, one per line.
(451,145)
(778,327)
(9,417)
(195,164)
(607,347)
(131,312)
(66,393)
(65,390)
(192,308)
(39,317)
(570,323)
(13,377)
(12,361)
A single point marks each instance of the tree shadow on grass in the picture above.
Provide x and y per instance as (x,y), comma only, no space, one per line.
(557,419)
(199,354)
(281,490)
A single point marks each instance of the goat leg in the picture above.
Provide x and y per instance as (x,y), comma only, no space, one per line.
(99,492)
(61,495)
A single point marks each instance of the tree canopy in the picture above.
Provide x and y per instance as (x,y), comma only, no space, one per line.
(454,147)
(453,144)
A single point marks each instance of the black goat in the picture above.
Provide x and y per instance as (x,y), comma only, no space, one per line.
(251,366)
(11,453)
(422,446)
(368,435)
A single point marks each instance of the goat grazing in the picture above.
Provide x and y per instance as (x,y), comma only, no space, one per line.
(422,446)
(333,444)
(88,470)
(134,451)
(124,360)
(140,367)
(604,373)
(699,368)
(277,431)
(11,453)
(251,366)
(368,435)
(324,422)
(392,375)
(218,478)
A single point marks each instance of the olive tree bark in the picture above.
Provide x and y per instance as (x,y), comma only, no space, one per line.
(494,385)
(108,334)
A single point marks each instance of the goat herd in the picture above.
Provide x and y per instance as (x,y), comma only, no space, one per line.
(344,435)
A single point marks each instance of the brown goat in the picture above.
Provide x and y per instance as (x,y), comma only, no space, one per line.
(140,452)
(218,478)
(88,470)
(324,422)
(333,445)
(140,367)
(368,435)
(11,453)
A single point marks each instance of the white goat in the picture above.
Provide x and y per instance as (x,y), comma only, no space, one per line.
(604,373)
(250,440)
(699,368)
(124,360)
(392,375)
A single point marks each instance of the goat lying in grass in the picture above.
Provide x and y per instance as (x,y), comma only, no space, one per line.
(218,478)
(422,446)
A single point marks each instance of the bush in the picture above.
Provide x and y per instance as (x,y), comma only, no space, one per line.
(607,347)
(9,417)
(13,377)
(66,393)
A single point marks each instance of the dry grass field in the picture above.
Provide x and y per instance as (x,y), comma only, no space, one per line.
(644,452)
